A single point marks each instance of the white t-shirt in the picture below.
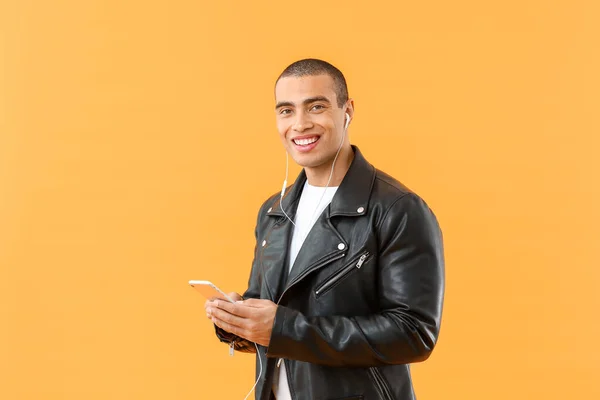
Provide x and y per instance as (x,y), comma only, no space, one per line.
(309,210)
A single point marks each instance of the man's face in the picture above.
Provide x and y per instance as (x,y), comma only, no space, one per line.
(310,123)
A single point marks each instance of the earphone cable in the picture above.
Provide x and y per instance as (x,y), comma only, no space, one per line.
(287,163)
(259,373)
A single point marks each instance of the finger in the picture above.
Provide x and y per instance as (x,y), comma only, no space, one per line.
(257,303)
(224,325)
(209,303)
(228,318)
(238,309)
(236,330)
(234,296)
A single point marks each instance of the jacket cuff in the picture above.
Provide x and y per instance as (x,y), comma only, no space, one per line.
(239,344)
(225,336)
(277,341)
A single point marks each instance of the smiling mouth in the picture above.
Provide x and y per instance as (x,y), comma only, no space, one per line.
(305,142)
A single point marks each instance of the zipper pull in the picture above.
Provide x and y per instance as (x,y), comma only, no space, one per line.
(362,260)
(279,362)
(231,347)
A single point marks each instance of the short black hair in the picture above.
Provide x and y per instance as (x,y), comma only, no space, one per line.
(312,67)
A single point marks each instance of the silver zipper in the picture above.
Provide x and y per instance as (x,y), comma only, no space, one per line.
(299,278)
(342,273)
(231,347)
(362,259)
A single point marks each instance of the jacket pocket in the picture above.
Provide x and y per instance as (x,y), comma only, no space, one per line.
(337,277)
(380,384)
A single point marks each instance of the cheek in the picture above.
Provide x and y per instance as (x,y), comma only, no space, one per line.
(283,128)
(325,122)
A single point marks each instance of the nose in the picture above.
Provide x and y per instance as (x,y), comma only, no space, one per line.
(302,122)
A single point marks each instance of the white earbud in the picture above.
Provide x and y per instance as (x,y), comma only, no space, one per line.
(347,121)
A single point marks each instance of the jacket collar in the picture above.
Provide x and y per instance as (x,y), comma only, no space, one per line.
(351,198)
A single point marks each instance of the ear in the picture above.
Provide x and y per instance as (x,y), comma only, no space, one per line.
(350,108)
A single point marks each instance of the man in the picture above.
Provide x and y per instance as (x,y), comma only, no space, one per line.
(347,283)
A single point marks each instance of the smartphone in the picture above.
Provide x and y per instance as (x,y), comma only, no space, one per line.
(210,290)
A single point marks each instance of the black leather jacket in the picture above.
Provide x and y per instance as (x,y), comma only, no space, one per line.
(364,297)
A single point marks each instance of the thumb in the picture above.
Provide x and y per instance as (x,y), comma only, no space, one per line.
(254,302)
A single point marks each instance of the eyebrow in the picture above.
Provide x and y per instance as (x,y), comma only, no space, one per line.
(305,101)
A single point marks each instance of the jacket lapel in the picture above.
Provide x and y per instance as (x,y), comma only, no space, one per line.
(275,254)
(275,257)
(324,244)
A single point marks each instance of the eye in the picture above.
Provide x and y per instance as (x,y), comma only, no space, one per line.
(285,111)
(317,107)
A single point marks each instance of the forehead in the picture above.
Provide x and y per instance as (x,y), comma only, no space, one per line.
(297,88)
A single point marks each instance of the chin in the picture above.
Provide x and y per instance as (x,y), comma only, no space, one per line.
(307,160)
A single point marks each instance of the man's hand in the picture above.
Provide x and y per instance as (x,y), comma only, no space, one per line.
(250,319)
(233,296)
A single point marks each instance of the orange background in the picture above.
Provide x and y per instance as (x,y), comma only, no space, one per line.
(137,141)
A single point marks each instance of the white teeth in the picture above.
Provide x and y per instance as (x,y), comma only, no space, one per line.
(304,142)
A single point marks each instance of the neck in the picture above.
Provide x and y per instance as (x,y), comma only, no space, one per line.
(319,176)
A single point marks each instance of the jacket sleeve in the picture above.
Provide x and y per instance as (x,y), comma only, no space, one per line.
(411,275)
(253,292)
